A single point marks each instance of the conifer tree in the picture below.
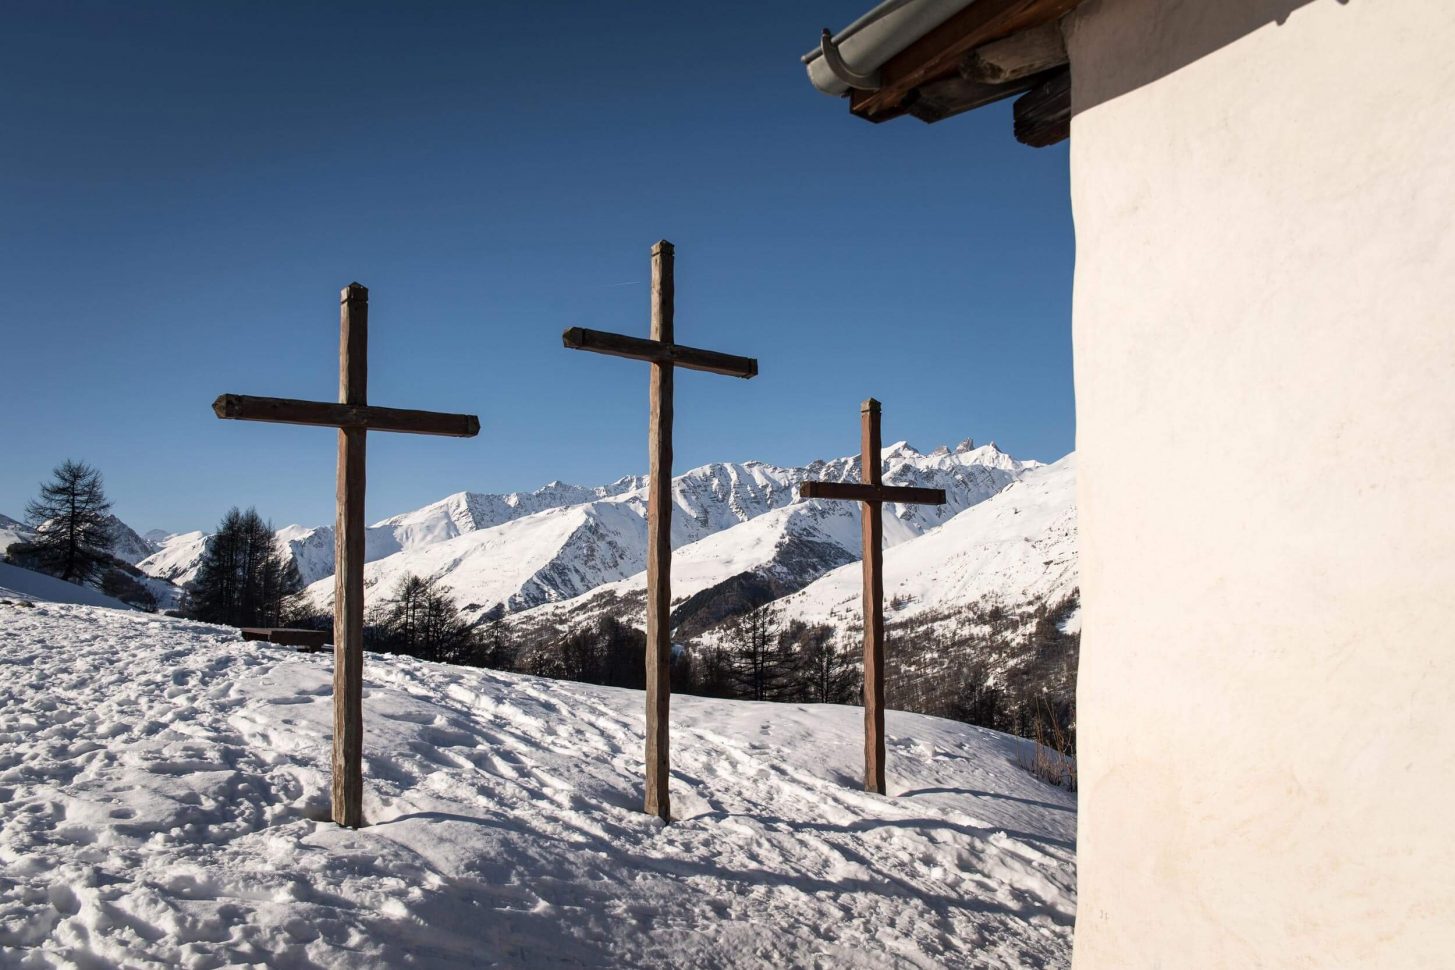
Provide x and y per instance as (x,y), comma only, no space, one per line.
(245,579)
(72,522)
(420,619)
(762,665)
(826,673)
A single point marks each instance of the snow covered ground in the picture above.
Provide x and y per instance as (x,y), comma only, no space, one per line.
(162,796)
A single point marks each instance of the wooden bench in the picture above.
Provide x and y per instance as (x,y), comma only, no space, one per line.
(307,640)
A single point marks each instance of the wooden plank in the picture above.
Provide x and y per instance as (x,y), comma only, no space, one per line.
(1043,116)
(873,531)
(659,542)
(348,590)
(659,352)
(283,410)
(286,636)
(856,492)
(954,95)
(1015,57)
(938,52)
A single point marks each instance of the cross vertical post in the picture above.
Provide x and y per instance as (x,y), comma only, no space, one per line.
(353,417)
(872,493)
(873,530)
(666,357)
(348,579)
(659,540)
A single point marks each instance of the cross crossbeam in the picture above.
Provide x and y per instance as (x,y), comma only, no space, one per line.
(873,493)
(665,356)
(353,416)
(367,417)
(854,492)
(659,352)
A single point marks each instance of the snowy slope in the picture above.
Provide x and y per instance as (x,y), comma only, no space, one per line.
(1016,548)
(162,784)
(566,551)
(27,584)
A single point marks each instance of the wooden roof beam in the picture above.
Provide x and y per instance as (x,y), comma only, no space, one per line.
(939,53)
(1043,115)
(1016,57)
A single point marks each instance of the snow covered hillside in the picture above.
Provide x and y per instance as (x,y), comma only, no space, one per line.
(163,788)
(1017,548)
(121,577)
(18,583)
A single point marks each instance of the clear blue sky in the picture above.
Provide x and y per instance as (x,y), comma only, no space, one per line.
(185,187)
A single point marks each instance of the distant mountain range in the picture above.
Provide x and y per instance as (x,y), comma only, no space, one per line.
(740,534)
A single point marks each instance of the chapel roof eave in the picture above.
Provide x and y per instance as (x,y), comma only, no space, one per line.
(933,59)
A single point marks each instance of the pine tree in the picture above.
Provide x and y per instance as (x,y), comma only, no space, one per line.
(245,579)
(73,531)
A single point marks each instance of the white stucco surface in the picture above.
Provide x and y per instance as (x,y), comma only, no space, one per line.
(1264,195)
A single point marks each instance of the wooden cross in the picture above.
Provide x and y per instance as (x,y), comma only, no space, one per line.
(873,493)
(664,356)
(353,417)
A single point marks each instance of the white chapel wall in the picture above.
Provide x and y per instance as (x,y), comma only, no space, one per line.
(1264,195)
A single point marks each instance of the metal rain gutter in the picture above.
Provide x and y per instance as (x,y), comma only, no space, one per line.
(867,43)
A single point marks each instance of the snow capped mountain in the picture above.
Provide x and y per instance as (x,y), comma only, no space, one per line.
(12,531)
(741,537)
(562,552)
(1016,548)
(126,545)
(178,558)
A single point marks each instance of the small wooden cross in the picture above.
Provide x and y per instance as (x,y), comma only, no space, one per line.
(353,417)
(873,494)
(664,356)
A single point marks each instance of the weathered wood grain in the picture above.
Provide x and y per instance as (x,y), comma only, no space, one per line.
(1043,115)
(659,352)
(873,530)
(938,52)
(286,410)
(1017,56)
(658,799)
(856,492)
(348,587)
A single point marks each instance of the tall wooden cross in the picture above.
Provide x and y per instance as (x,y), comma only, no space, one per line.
(664,356)
(873,493)
(353,417)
